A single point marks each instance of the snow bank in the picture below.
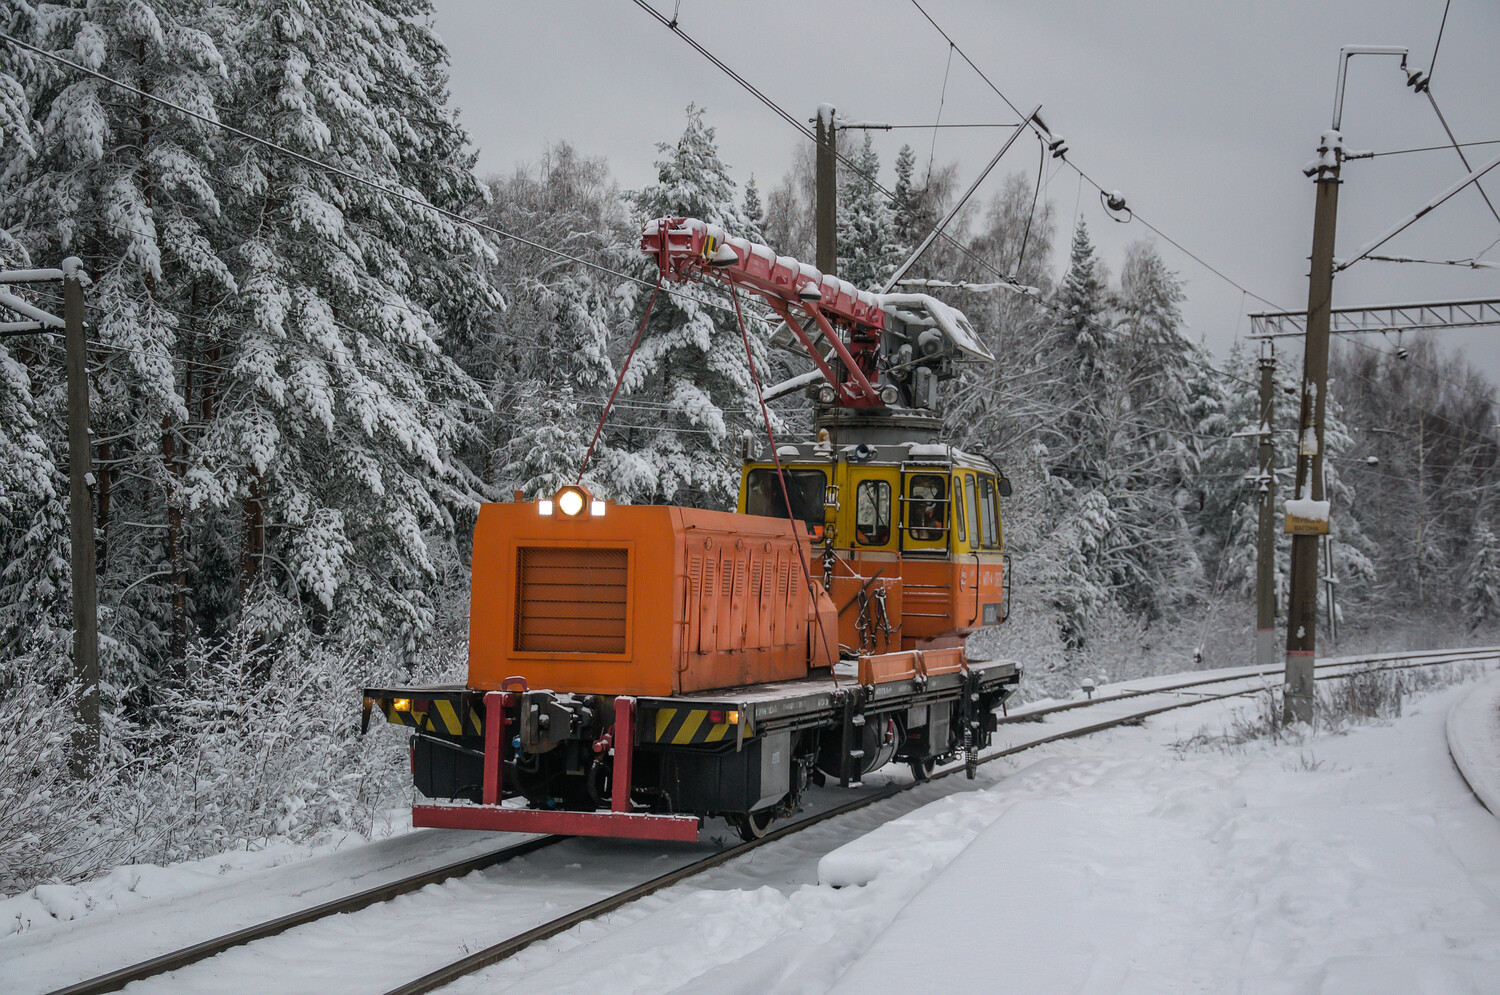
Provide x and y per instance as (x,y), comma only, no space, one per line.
(1473,730)
(1355,864)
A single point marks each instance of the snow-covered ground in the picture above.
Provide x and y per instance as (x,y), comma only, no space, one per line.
(1115,863)
(1474,740)
(1347,863)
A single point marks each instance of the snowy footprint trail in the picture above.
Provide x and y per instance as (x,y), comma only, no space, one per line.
(1350,864)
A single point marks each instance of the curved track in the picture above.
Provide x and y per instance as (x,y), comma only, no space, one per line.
(1247,681)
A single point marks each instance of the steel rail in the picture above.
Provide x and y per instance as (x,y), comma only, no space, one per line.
(176,959)
(1037,714)
(511,946)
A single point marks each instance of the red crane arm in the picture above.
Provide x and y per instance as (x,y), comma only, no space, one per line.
(686,249)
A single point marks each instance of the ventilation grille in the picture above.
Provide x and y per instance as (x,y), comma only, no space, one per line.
(570,600)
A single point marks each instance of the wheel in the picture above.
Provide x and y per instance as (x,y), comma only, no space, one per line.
(753,825)
(921,770)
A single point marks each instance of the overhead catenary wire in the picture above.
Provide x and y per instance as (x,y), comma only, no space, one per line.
(1039,129)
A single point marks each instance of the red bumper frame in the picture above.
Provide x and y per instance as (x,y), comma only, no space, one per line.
(620,821)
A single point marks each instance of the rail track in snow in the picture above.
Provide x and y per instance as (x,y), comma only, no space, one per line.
(1184,694)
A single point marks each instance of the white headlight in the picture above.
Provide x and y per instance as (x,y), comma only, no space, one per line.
(596,507)
(544,506)
(570,502)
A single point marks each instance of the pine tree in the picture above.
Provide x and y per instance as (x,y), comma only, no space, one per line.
(1481,582)
(1081,331)
(341,411)
(905,222)
(547,357)
(691,360)
(755,215)
(867,251)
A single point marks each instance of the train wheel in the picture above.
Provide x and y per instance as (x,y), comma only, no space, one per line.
(921,770)
(753,825)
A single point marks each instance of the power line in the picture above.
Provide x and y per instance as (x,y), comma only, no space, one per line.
(1009,103)
(1438,44)
(1422,148)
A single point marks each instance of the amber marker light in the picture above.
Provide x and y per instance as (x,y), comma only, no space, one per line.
(571,500)
(402,704)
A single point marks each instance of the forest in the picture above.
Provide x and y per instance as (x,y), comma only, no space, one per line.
(305,383)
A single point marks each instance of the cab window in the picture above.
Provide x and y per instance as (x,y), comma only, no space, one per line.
(872,513)
(989,504)
(927,507)
(960,521)
(971,494)
(763,494)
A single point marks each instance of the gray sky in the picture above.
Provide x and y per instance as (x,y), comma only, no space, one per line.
(1202,112)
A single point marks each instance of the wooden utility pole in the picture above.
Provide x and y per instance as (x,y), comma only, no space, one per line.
(1265,552)
(1308,521)
(85,745)
(825,212)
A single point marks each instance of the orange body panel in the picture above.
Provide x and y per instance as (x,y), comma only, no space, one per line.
(931,599)
(646,600)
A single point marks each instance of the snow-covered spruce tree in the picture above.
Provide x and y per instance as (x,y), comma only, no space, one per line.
(1149,429)
(1481,582)
(330,432)
(754,212)
(904,220)
(1081,330)
(131,187)
(691,360)
(867,249)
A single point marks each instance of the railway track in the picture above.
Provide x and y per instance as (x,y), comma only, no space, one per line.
(480,959)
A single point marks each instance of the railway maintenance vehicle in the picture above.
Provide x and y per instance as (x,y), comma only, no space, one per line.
(635,669)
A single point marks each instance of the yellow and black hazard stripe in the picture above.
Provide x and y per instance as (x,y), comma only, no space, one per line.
(686,726)
(442,716)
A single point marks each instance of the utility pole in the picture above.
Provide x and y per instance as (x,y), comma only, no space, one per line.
(81,515)
(825,212)
(1307,513)
(1265,553)
(1304,520)
(85,741)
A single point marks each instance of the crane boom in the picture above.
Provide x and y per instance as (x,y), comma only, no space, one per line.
(875,337)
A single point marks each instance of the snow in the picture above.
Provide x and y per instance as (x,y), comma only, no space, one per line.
(1350,864)
(1316,511)
(1331,864)
(948,319)
(1473,731)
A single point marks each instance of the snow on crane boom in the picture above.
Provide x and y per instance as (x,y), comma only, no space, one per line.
(873,336)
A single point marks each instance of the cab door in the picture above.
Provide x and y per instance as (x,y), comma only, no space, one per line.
(926,561)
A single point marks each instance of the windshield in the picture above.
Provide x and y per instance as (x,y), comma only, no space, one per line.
(763,494)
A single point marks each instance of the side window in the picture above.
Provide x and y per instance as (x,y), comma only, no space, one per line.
(927,507)
(972,493)
(990,506)
(872,513)
(763,494)
(960,521)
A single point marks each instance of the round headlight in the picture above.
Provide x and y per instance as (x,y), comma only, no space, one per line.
(570,501)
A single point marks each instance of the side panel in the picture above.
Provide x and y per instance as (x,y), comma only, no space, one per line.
(645,600)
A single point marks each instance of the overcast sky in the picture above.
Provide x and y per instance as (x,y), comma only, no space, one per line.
(1202,112)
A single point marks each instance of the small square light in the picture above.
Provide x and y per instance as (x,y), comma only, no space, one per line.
(596,508)
(544,506)
(402,704)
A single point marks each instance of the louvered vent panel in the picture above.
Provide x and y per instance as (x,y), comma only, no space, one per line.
(570,600)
